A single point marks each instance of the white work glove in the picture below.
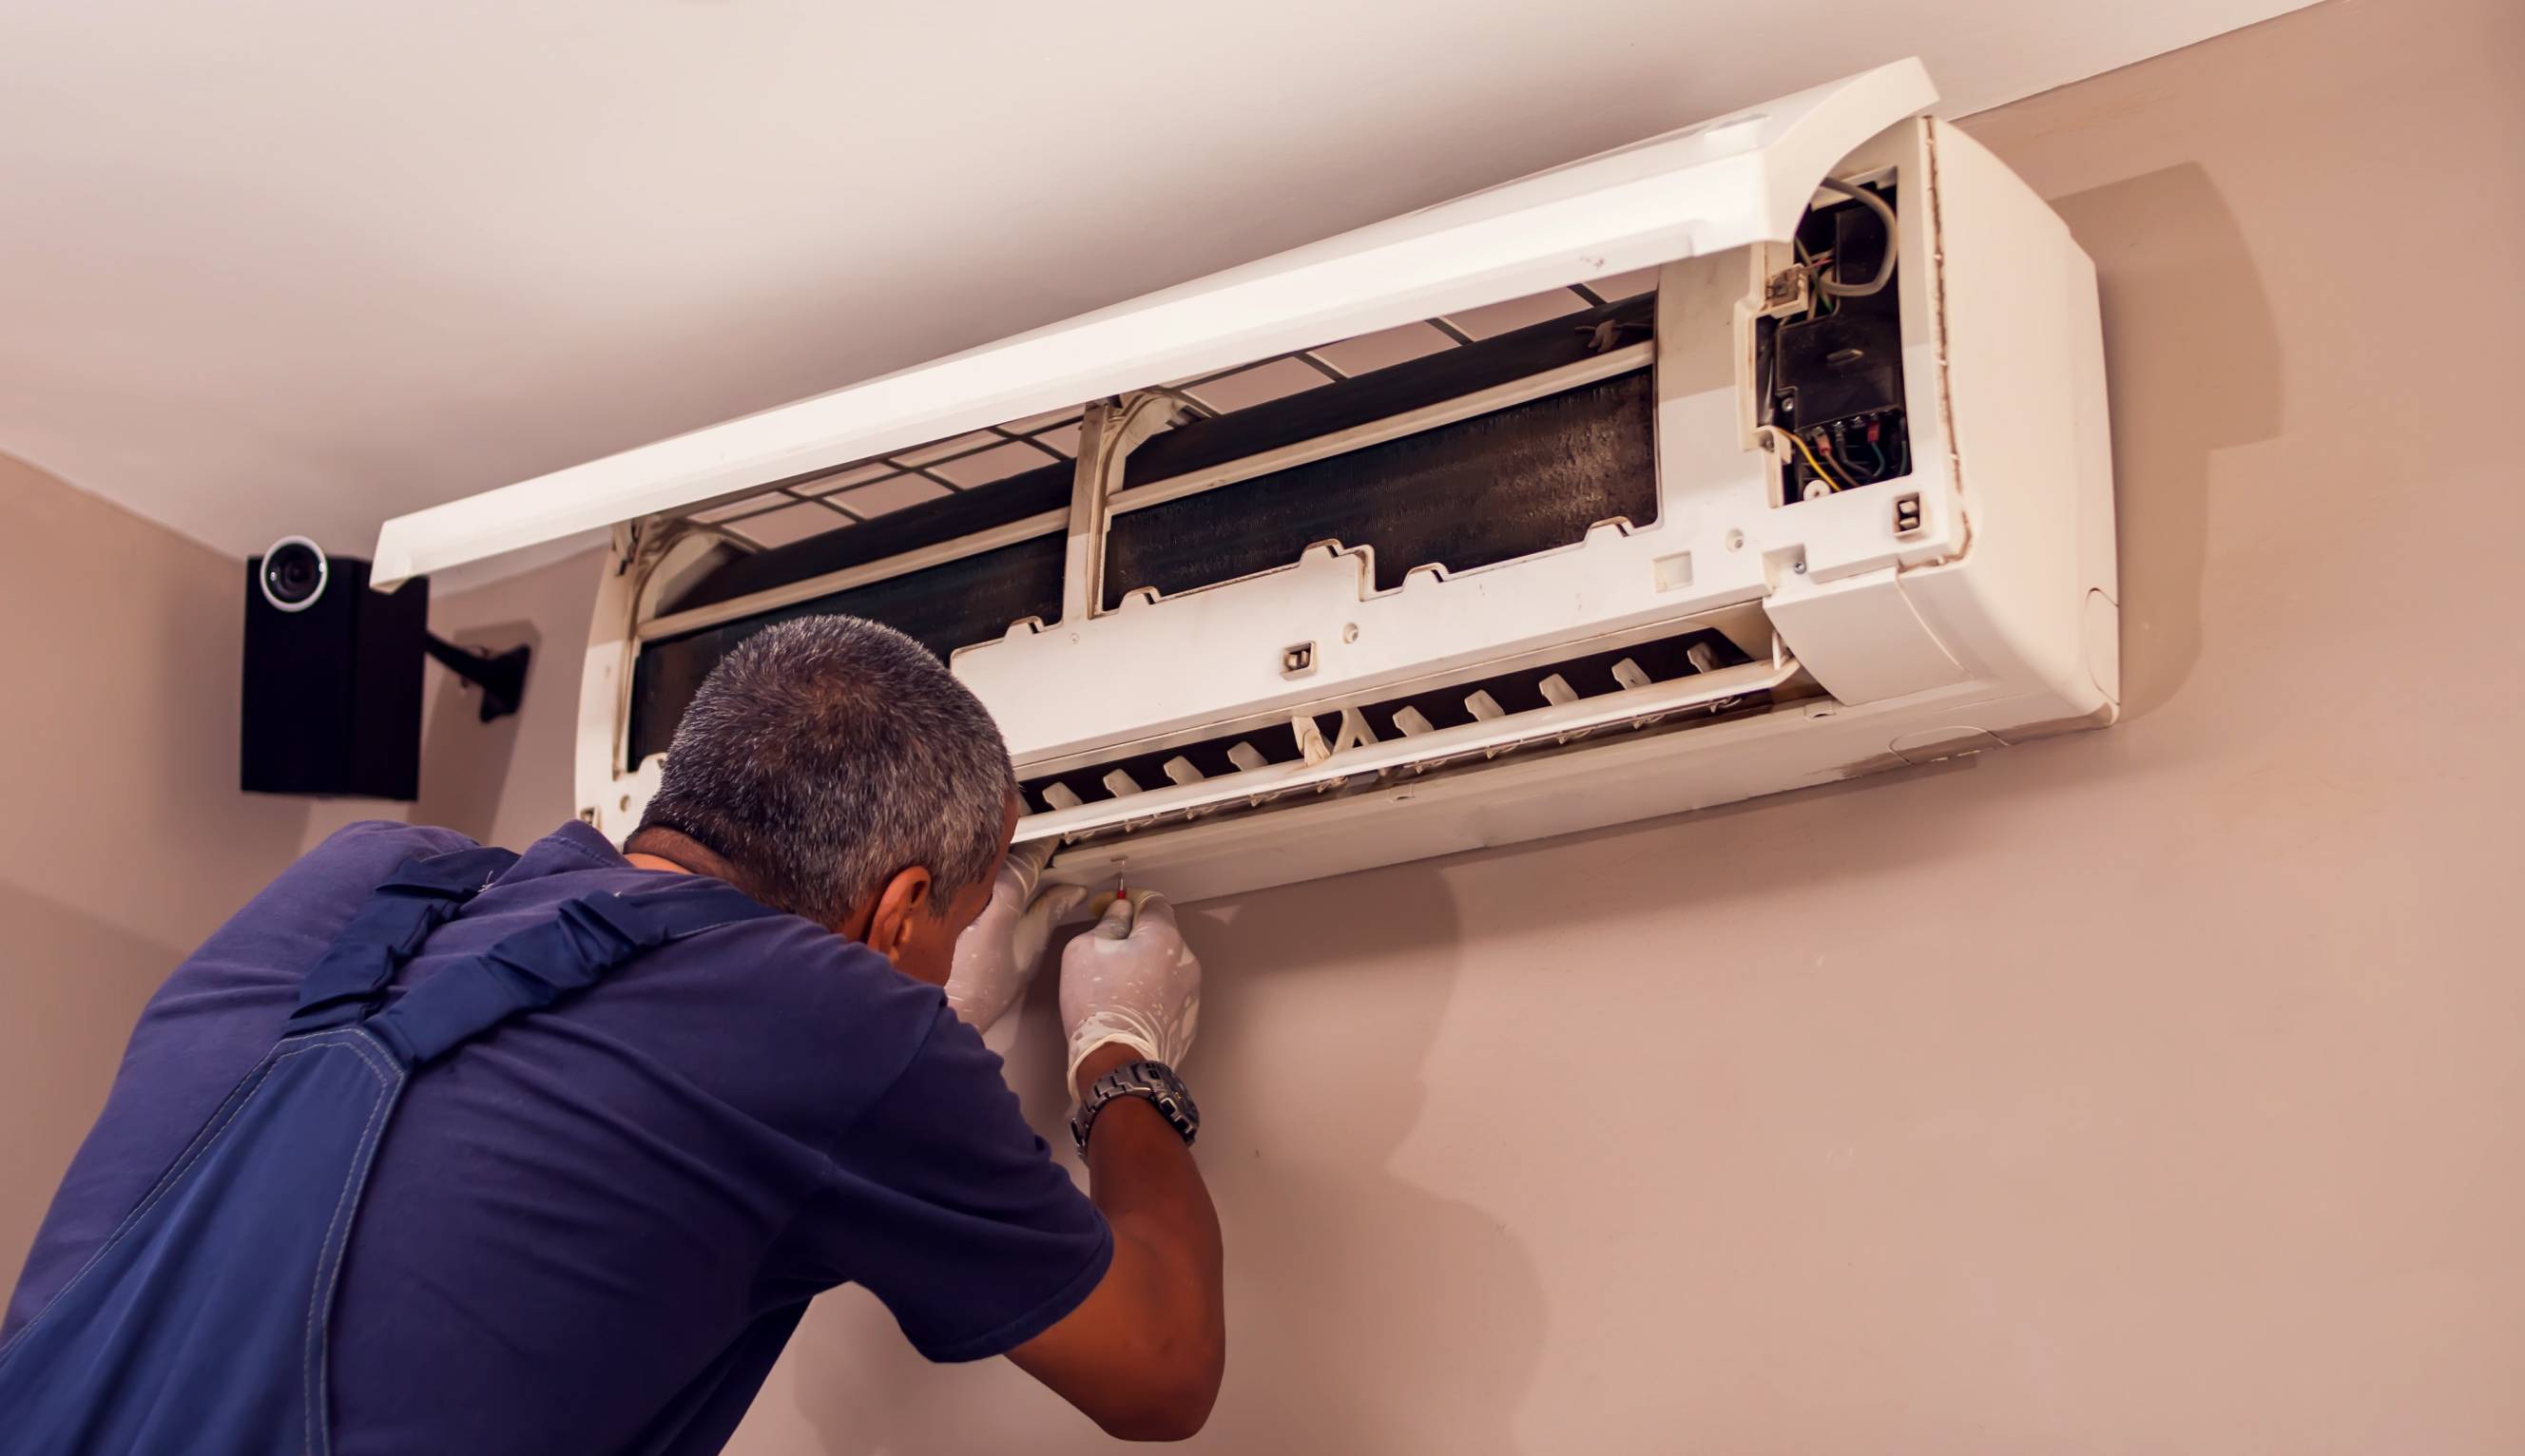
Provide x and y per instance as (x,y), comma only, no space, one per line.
(1131,980)
(996,956)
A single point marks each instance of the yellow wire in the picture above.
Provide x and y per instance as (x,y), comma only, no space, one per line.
(1829,479)
(1840,473)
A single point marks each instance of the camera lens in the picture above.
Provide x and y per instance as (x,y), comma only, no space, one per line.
(293,573)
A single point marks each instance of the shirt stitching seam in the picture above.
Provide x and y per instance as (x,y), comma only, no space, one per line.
(312,1367)
(834,1163)
(590,855)
(834,1172)
(989,1341)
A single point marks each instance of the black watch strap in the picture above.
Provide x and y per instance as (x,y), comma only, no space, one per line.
(1154,1081)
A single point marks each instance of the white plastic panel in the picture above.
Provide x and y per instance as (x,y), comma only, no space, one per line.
(1363,756)
(2025,373)
(1614,781)
(1722,184)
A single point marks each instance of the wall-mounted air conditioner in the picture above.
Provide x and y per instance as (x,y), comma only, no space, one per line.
(1763,453)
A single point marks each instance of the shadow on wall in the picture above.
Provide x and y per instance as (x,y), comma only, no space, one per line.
(74,985)
(2192,360)
(464,762)
(1355,1298)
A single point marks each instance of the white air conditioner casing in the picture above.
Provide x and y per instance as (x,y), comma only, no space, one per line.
(1962,606)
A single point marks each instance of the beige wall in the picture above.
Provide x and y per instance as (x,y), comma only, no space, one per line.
(2151,1089)
(125,839)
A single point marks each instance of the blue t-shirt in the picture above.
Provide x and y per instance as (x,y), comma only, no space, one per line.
(594,1228)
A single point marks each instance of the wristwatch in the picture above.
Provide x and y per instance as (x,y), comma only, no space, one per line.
(1154,1081)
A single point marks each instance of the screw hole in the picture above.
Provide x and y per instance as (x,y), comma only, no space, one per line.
(1735,541)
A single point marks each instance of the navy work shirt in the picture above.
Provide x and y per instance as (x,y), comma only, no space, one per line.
(594,1228)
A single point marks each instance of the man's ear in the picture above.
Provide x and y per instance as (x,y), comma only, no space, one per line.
(899,905)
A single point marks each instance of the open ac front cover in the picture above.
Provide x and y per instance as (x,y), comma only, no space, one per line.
(1764,454)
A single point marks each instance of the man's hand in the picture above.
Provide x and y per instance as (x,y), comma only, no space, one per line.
(998,952)
(1130,982)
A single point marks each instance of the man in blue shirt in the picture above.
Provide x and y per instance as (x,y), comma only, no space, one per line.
(593,1226)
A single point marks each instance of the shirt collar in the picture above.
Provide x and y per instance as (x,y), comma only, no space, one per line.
(573,847)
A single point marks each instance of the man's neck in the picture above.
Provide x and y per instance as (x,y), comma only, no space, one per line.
(675,853)
(672,852)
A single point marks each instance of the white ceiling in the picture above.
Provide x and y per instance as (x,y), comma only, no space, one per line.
(276,266)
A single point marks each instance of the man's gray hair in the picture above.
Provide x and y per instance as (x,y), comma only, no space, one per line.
(824,755)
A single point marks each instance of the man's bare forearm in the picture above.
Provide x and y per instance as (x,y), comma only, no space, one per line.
(1144,1179)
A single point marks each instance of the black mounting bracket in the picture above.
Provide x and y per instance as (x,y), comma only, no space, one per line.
(502,676)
